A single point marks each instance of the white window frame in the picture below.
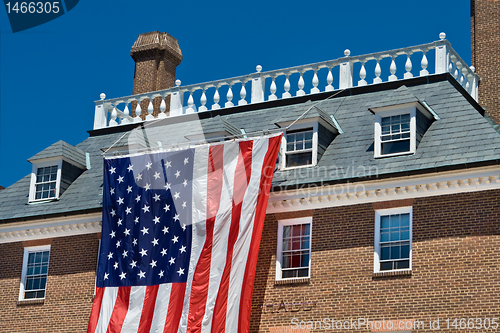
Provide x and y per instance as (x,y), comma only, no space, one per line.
(27,251)
(279,247)
(46,163)
(395,111)
(297,127)
(376,252)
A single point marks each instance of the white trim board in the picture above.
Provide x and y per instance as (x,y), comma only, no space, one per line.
(57,227)
(442,183)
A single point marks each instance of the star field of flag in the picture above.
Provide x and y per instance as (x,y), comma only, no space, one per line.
(146,232)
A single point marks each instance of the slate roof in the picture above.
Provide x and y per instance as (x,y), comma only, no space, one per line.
(460,139)
(63,149)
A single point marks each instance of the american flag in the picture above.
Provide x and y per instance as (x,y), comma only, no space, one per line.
(180,238)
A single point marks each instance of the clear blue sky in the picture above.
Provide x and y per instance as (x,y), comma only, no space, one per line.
(50,75)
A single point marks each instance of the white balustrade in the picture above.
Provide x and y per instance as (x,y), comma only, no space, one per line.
(108,111)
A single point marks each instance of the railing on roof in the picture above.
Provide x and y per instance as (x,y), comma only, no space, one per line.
(108,113)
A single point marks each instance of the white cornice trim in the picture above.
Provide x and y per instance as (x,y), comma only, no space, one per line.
(442,183)
(57,227)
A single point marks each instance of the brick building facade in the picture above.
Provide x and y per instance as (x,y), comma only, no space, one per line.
(445,196)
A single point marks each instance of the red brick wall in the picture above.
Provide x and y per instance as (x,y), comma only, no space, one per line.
(456,266)
(485,56)
(456,271)
(70,287)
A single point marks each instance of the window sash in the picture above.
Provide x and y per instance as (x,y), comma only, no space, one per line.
(35,272)
(288,234)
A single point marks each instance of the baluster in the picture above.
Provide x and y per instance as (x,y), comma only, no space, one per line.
(272,89)
(203,101)
(408,66)
(329,80)
(163,107)
(243,94)
(315,82)
(286,94)
(378,71)
(150,110)
(460,76)
(190,108)
(229,97)
(300,84)
(216,99)
(393,70)
(424,63)
(138,112)
(114,114)
(362,75)
(126,113)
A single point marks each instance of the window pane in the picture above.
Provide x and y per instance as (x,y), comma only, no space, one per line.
(45,268)
(384,266)
(405,251)
(305,259)
(386,129)
(299,145)
(29,284)
(405,220)
(405,117)
(287,231)
(308,145)
(395,147)
(395,252)
(286,261)
(286,244)
(303,272)
(384,236)
(402,264)
(288,274)
(384,221)
(296,260)
(296,244)
(306,229)
(299,137)
(405,126)
(296,230)
(37,270)
(305,243)
(386,121)
(290,146)
(394,221)
(309,135)
(394,236)
(30,295)
(405,235)
(299,159)
(385,253)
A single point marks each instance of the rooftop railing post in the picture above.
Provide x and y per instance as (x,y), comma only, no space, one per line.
(176,99)
(442,55)
(346,71)
(473,80)
(100,116)
(257,87)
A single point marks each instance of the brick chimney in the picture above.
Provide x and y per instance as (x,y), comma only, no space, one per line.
(156,55)
(485,53)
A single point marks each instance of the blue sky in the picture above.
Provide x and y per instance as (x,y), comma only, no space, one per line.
(50,75)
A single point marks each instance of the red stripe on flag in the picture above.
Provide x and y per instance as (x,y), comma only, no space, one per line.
(201,277)
(260,213)
(96,310)
(119,310)
(148,308)
(242,176)
(174,311)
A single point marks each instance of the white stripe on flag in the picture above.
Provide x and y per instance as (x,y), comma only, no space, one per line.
(133,317)
(242,245)
(107,305)
(161,307)
(199,230)
(221,233)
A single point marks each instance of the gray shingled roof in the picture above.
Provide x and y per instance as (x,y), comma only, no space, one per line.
(459,139)
(61,149)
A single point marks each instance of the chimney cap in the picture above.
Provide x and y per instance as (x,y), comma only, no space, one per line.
(156,40)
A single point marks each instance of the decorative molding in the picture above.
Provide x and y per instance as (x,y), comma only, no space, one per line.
(443,183)
(58,227)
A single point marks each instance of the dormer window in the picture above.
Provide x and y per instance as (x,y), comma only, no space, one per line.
(400,128)
(46,182)
(299,147)
(395,137)
(53,171)
(305,140)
